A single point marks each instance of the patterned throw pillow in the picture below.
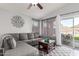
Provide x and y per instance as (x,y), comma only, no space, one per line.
(12,43)
(5,45)
(8,42)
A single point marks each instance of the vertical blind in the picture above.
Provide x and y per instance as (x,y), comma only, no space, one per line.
(48,27)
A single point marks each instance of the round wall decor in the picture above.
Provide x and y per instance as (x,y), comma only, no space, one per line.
(17,21)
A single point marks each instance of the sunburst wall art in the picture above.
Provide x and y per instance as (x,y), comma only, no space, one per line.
(17,21)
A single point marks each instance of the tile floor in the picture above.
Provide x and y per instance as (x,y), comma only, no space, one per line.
(61,51)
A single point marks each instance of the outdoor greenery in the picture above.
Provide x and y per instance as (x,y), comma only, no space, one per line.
(68,36)
(76,37)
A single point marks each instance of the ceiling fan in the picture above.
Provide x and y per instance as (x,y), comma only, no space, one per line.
(38,5)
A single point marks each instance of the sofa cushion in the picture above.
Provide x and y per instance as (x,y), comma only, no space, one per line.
(36,35)
(31,36)
(15,35)
(23,36)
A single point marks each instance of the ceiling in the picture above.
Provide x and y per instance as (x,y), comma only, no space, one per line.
(34,12)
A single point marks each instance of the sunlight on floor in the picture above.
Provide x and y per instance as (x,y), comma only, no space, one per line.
(62,51)
(76,52)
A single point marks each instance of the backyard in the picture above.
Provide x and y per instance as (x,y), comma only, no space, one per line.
(76,37)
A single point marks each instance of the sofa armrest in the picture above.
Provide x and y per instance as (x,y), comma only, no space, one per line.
(1,51)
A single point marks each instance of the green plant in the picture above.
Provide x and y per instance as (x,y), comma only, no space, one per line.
(46,39)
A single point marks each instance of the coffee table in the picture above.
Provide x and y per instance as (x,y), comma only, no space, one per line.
(46,47)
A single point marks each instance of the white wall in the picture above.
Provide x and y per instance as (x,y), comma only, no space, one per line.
(7,27)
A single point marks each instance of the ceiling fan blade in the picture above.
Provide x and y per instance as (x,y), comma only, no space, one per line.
(39,5)
(30,5)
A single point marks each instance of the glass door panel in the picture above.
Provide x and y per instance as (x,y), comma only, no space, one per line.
(67,31)
(76,32)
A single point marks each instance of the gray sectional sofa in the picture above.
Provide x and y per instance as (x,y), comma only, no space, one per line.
(23,48)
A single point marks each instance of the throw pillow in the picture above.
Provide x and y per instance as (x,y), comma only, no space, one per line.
(7,42)
(15,35)
(23,36)
(11,42)
(5,45)
(36,35)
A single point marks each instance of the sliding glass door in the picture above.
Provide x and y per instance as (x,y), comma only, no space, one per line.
(70,32)
(67,31)
(76,32)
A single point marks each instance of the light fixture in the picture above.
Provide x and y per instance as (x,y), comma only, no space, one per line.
(35,4)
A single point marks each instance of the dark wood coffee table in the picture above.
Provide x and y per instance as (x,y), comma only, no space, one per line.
(46,47)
